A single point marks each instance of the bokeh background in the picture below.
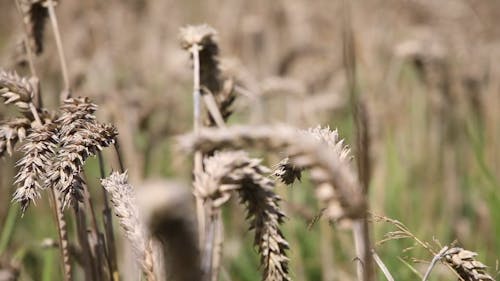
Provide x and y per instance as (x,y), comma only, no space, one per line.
(426,70)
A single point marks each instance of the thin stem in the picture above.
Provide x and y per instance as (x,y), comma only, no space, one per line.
(119,156)
(108,223)
(382,266)
(436,258)
(31,61)
(218,244)
(35,114)
(100,251)
(198,157)
(86,253)
(62,234)
(207,255)
(66,93)
(26,41)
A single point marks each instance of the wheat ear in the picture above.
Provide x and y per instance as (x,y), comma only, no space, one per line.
(335,183)
(235,171)
(123,201)
(80,136)
(39,150)
(289,173)
(11,132)
(34,16)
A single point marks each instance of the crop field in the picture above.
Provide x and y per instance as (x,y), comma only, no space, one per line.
(232,140)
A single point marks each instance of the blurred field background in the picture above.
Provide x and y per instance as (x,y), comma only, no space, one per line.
(426,70)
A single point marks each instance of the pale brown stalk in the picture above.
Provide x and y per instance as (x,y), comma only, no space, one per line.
(66,92)
(33,24)
(361,231)
(200,41)
(108,224)
(191,42)
(63,234)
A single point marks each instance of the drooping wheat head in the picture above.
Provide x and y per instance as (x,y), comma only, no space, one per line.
(335,182)
(288,173)
(35,15)
(204,38)
(235,171)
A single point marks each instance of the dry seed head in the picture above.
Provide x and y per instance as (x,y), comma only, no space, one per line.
(16,90)
(85,140)
(125,206)
(287,172)
(465,264)
(80,137)
(39,150)
(203,37)
(228,171)
(35,15)
(335,181)
(11,132)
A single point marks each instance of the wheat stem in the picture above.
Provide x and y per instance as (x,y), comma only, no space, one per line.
(66,93)
(62,233)
(436,258)
(108,225)
(382,266)
(29,52)
(198,158)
